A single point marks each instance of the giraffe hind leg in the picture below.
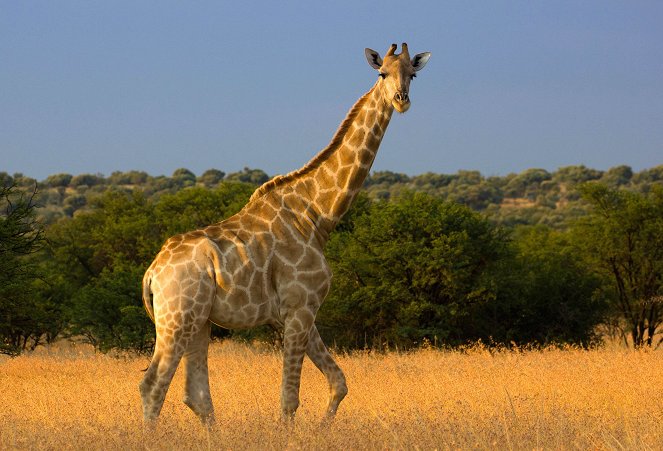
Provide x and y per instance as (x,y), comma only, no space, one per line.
(196,387)
(175,332)
(157,379)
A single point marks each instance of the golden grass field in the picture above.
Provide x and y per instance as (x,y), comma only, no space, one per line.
(67,397)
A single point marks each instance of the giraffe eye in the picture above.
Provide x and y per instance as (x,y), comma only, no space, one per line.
(382,75)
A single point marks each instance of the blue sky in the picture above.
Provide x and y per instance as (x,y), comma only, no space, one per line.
(100,86)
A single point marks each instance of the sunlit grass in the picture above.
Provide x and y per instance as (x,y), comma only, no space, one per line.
(71,398)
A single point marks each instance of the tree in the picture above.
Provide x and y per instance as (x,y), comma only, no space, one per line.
(617,176)
(546,293)
(623,235)
(95,265)
(183,177)
(196,207)
(247,175)
(410,270)
(87,180)
(58,180)
(128,178)
(24,321)
(108,312)
(527,183)
(97,258)
(211,177)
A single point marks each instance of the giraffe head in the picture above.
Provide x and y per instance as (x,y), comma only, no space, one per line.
(396,72)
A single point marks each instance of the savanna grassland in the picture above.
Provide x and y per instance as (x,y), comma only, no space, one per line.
(68,397)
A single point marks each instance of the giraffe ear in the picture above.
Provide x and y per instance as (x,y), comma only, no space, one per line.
(373,58)
(420,60)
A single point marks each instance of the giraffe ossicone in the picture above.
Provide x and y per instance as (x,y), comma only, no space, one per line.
(265,265)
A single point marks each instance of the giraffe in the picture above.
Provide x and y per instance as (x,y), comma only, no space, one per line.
(265,265)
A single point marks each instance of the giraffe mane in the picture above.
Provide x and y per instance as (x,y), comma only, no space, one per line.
(337,140)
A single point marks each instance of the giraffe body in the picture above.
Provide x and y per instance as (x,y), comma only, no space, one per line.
(265,265)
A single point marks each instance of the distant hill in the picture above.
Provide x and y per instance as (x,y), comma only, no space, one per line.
(534,196)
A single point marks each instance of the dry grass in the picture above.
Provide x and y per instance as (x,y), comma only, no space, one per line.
(554,399)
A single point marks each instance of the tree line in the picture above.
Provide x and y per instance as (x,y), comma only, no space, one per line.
(413,262)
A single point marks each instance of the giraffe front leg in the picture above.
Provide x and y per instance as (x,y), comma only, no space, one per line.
(319,354)
(296,332)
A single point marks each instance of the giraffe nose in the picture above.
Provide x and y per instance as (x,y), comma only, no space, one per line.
(401,96)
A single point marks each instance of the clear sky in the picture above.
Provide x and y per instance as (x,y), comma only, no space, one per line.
(100,86)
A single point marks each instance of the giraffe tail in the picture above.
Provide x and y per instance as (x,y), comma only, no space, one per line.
(147,294)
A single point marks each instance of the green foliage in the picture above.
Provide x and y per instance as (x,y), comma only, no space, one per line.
(87,180)
(107,313)
(410,270)
(617,176)
(247,175)
(198,207)
(527,184)
(547,294)
(97,258)
(58,180)
(25,318)
(183,177)
(128,178)
(623,239)
(211,177)
(451,258)
(419,268)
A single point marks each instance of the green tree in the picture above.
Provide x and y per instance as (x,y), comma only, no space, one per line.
(527,183)
(183,177)
(546,293)
(95,265)
(410,270)
(247,175)
(211,177)
(87,180)
(58,180)
(128,178)
(24,319)
(623,236)
(617,176)
(107,313)
(97,258)
(197,207)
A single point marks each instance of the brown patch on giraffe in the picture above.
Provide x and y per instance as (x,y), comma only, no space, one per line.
(377,130)
(357,138)
(265,210)
(342,178)
(309,259)
(213,230)
(361,117)
(366,158)
(372,141)
(250,311)
(326,199)
(238,300)
(254,222)
(347,157)
(306,189)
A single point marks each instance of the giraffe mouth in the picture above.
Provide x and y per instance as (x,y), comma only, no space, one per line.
(401,101)
(401,107)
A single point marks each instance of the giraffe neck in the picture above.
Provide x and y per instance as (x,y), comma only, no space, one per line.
(341,176)
(322,190)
